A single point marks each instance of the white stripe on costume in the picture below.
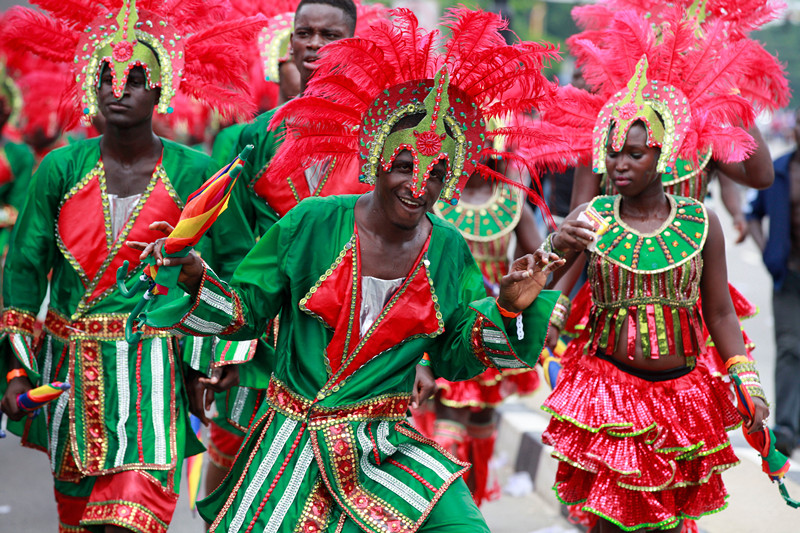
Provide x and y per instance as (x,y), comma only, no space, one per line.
(289,495)
(216,301)
(157,399)
(387,480)
(123,400)
(203,326)
(261,474)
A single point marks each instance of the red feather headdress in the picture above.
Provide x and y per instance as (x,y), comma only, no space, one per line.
(364,86)
(182,44)
(695,84)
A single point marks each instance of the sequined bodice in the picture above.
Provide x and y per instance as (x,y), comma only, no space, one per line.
(654,278)
(487,228)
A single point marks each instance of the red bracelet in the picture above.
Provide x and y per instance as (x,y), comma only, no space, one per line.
(16,373)
(505,312)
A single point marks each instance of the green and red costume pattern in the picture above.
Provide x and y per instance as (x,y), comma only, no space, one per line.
(117,440)
(331,447)
(636,452)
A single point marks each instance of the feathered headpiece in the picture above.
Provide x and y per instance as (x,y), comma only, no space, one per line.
(682,81)
(365,86)
(9,92)
(186,44)
(759,76)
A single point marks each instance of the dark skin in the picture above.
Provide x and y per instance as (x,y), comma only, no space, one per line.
(289,85)
(645,207)
(316,25)
(756,171)
(392,223)
(5,113)
(130,151)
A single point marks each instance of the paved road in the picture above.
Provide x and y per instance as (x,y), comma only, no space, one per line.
(26,501)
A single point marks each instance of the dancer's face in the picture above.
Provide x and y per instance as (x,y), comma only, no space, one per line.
(393,191)
(316,25)
(633,169)
(136,104)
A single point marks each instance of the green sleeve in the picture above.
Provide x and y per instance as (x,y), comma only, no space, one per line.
(239,310)
(476,338)
(30,258)
(21,160)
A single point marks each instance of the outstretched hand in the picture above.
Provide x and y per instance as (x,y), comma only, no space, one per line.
(191,266)
(526,279)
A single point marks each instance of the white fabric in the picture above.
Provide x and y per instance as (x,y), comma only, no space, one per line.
(120,210)
(375,293)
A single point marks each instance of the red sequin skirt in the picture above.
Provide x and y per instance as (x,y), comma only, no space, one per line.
(489,389)
(640,453)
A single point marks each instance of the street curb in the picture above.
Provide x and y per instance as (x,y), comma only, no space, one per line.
(519,438)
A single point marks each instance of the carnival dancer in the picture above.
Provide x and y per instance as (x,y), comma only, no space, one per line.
(116,441)
(16,160)
(320,22)
(638,423)
(755,75)
(488,215)
(331,449)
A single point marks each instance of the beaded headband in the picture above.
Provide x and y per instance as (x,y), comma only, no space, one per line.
(662,108)
(442,135)
(151,43)
(10,92)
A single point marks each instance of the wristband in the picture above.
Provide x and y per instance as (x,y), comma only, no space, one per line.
(548,248)
(426,360)
(505,312)
(560,312)
(16,373)
(741,366)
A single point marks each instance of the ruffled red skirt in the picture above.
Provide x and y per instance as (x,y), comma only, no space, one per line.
(640,453)
(489,389)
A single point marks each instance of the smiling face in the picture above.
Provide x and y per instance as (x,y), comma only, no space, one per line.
(633,169)
(316,25)
(393,192)
(137,102)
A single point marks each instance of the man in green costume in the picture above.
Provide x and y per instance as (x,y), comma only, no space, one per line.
(363,285)
(118,438)
(16,160)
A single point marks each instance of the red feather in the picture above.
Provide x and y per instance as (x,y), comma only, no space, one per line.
(30,30)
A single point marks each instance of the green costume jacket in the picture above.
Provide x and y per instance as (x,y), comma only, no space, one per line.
(16,169)
(127,407)
(331,440)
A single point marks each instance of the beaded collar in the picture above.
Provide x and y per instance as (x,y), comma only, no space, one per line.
(680,238)
(485,222)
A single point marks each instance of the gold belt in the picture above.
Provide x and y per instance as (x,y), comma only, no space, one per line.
(293,405)
(107,327)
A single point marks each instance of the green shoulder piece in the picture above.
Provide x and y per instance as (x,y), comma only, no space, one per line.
(489,221)
(679,239)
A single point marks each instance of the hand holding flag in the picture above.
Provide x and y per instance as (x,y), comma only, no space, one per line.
(202,209)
